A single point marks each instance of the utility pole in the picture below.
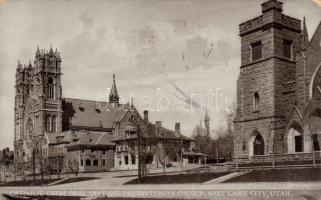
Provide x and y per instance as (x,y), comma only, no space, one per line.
(139,156)
(33,164)
(312,143)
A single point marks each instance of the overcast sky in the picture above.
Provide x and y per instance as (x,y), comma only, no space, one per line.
(180,47)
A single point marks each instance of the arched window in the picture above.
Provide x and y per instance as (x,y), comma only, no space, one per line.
(51,89)
(29,128)
(256,100)
(88,162)
(48,124)
(95,163)
(54,124)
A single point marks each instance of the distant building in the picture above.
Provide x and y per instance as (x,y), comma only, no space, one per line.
(64,134)
(279,88)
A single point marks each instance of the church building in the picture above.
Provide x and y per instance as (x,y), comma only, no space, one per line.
(279,89)
(56,134)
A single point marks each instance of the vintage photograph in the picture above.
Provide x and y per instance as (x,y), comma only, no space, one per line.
(160,99)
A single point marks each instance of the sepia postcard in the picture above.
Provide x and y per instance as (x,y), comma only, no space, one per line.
(160,99)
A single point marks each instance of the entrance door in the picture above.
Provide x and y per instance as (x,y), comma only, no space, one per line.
(298,143)
(258,145)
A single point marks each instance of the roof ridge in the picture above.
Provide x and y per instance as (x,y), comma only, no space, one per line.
(100,137)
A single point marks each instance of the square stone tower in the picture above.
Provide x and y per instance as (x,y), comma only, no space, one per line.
(37,105)
(266,84)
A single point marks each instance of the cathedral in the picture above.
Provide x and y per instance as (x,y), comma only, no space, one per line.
(279,89)
(55,134)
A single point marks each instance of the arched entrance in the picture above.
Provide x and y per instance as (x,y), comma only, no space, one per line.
(295,141)
(256,145)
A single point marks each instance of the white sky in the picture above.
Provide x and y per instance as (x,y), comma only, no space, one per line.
(147,44)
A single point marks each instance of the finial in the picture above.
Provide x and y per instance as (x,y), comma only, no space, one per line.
(18,62)
(113,77)
(304,34)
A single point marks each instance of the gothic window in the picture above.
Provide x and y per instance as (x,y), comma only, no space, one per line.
(256,50)
(54,124)
(29,128)
(48,124)
(88,162)
(95,163)
(126,160)
(256,100)
(298,143)
(287,49)
(51,89)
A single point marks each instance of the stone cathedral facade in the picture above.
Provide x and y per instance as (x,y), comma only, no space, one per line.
(278,89)
(37,103)
(58,134)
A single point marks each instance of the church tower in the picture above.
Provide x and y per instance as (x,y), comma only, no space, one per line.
(37,103)
(266,85)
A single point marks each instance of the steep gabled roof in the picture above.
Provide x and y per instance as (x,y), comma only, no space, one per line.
(92,114)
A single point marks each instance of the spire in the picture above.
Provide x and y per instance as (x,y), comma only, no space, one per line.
(304,35)
(113,97)
(38,51)
(51,51)
(207,123)
(19,66)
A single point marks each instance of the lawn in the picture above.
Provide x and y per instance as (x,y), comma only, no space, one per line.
(75,179)
(37,182)
(280,175)
(180,178)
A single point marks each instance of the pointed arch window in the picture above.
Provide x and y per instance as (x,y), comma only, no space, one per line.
(48,124)
(256,100)
(54,124)
(51,89)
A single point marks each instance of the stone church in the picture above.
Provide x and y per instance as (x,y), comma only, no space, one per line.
(57,134)
(278,89)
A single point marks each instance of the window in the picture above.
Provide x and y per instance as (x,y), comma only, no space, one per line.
(54,124)
(287,49)
(256,100)
(104,162)
(48,124)
(126,160)
(256,50)
(88,162)
(95,163)
(81,162)
(133,159)
(51,89)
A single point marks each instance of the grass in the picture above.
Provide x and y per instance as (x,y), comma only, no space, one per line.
(37,182)
(280,175)
(179,178)
(75,179)
(298,162)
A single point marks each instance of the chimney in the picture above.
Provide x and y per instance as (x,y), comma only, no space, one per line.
(158,124)
(146,115)
(178,128)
